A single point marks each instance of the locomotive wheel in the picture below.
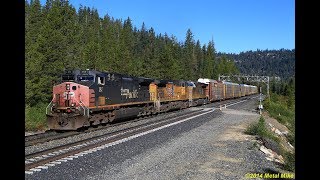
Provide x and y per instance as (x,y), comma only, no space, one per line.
(105,119)
(96,119)
(111,116)
(149,110)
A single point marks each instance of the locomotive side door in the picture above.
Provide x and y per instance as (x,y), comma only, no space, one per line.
(101,90)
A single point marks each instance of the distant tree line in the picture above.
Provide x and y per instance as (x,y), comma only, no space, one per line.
(58,37)
(271,63)
(284,88)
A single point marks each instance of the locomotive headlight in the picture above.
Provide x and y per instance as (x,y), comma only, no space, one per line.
(67,86)
(73,104)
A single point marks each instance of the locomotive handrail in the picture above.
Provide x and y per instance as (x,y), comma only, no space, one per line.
(50,104)
(190,98)
(83,107)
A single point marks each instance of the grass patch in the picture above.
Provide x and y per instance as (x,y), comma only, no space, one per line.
(278,108)
(289,159)
(281,108)
(291,139)
(281,113)
(259,128)
(35,117)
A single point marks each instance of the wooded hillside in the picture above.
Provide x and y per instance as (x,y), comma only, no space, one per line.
(57,37)
(265,62)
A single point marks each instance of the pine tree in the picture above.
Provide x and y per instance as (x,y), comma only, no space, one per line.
(199,58)
(190,57)
(126,46)
(169,68)
(209,62)
(34,60)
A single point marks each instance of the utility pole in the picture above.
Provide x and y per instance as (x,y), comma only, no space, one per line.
(268,88)
(260,99)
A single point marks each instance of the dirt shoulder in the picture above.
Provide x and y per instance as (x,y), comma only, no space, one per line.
(270,164)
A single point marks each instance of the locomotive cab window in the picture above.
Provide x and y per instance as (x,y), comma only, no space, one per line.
(101,80)
(66,78)
(85,78)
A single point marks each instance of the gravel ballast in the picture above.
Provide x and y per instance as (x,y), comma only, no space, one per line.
(215,150)
(212,146)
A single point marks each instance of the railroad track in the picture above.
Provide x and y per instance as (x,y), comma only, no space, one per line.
(57,155)
(35,139)
(46,136)
(50,157)
(32,140)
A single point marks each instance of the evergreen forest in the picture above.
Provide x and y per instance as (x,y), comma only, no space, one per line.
(274,63)
(59,37)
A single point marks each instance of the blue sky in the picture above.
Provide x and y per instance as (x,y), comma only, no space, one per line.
(234,25)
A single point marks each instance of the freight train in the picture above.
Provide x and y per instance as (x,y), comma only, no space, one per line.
(86,98)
